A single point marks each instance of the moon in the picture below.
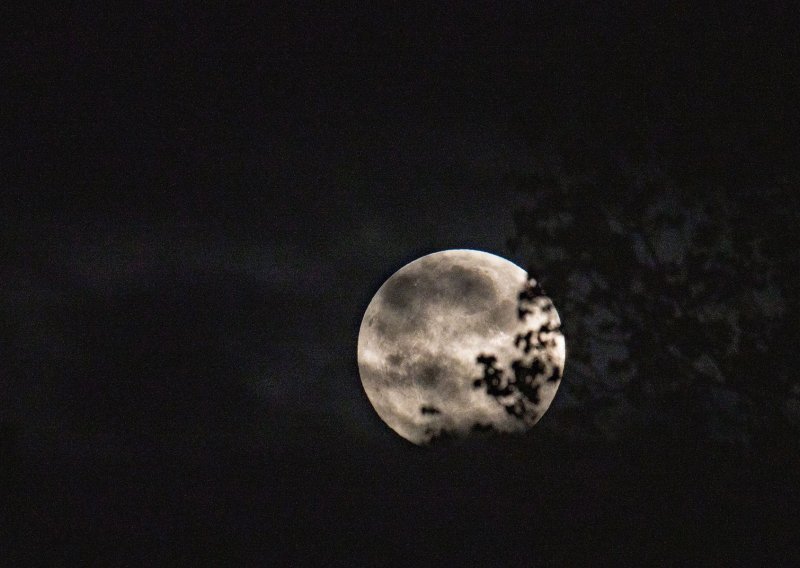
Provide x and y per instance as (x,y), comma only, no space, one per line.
(459,342)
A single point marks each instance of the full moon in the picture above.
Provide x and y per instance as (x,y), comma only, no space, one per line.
(457,342)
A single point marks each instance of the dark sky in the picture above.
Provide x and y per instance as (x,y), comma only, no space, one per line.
(196,208)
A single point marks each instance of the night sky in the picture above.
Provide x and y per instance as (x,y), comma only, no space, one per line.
(197,207)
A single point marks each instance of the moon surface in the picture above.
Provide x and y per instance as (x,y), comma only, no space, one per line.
(460,341)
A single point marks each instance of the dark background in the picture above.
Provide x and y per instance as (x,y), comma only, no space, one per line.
(197,207)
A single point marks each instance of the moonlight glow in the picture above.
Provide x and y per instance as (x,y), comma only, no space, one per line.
(459,341)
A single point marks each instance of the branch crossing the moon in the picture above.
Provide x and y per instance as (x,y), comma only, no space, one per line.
(518,391)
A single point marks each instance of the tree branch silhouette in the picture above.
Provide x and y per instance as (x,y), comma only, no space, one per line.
(669,294)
